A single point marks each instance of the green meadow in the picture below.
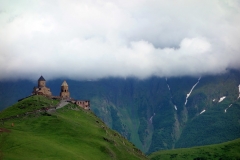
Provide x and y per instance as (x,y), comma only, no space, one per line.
(68,133)
(224,151)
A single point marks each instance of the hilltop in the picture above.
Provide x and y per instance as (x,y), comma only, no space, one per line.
(31,131)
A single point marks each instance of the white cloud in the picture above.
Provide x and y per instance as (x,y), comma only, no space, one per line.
(95,39)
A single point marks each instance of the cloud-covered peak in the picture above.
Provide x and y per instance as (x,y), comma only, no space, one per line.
(96,39)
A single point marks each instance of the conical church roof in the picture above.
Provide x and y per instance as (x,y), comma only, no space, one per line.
(41,79)
(64,83)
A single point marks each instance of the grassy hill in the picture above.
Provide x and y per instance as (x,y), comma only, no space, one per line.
(228,150)
(67,133)
(29,104)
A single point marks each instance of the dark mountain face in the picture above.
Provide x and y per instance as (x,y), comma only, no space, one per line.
(156,113)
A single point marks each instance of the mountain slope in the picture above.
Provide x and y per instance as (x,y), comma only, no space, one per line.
(157,114)
(67,133)
(11,91)
(227,150)
(164,113)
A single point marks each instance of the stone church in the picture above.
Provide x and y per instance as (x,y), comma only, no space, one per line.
(41,89)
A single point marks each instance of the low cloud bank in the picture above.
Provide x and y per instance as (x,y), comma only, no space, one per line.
(97,39)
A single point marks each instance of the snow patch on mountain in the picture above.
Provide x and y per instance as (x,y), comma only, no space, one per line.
(192,90)
(221,99)
(175,107)
(168,87)
(171,94)
(227,108)
(151,118)
(202,111)
(239,90)
(167,84)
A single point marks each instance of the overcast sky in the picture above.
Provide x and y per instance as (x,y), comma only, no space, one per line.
(88,39)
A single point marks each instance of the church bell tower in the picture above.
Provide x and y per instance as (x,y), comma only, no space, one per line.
(41,82)
(64,91)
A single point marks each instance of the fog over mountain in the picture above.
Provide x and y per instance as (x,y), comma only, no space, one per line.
(95,39)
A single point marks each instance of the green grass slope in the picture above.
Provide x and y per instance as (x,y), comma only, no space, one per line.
(228,150)
(27,105)
(68,133)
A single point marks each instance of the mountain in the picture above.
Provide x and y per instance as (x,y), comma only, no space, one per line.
(31,129)
(12,91)
(228,150)
(159,113)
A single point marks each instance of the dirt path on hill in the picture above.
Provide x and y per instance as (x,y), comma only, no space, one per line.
(62,104)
